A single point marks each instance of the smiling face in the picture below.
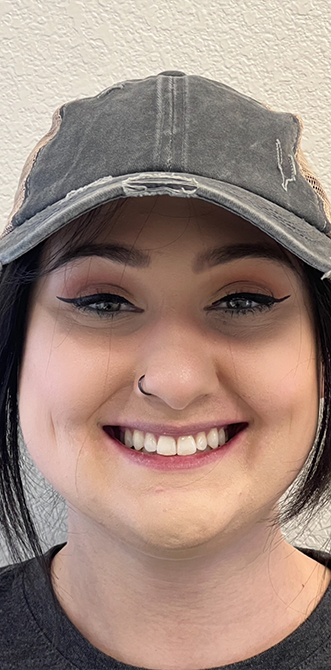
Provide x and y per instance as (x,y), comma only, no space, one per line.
(203,365)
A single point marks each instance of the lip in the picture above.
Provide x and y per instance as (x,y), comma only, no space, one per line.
(175,431)
(158,462)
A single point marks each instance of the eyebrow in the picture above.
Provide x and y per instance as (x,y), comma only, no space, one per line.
(136,258)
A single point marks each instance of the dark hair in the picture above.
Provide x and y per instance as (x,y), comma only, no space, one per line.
(16,281)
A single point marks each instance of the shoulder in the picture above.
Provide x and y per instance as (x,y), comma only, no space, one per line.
(10,583)
(23,642)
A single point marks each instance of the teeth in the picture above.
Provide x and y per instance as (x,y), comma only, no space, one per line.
(168,446)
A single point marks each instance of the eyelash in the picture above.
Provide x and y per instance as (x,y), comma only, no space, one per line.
(84,303)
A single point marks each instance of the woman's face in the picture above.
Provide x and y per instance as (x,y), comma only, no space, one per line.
(80,371)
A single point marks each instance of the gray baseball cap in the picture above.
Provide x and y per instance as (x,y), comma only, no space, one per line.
(176,134)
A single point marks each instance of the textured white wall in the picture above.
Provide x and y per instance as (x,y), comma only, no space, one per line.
(52,51)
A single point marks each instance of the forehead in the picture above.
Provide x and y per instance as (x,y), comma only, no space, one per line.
(161,224)
(152,215)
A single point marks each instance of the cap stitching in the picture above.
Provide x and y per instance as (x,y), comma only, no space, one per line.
(171,123)
(158,120)
(185,125)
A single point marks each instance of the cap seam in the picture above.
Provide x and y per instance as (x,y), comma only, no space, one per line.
(159,112)
(171,123)
(23,186)
(185,125)
(317,198)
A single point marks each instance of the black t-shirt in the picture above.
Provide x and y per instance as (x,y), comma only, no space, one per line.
(27,617)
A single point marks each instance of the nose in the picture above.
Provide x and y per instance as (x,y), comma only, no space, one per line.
(179,365)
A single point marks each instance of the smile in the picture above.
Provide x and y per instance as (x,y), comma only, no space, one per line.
(169,446)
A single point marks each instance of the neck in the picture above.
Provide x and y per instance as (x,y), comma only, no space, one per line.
(186,612)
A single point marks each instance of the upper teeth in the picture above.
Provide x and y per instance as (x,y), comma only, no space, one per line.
(168,446)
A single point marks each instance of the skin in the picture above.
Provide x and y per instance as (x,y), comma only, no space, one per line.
(176,570)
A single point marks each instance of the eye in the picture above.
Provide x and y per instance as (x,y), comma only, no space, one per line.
(262,303)
(109,304)
(102,304)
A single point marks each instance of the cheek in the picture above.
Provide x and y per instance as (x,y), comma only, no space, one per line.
(64,380)
(279,381)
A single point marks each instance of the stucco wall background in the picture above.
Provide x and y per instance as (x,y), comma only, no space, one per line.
(52,51)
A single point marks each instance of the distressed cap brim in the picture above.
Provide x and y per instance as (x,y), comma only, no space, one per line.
(294,233)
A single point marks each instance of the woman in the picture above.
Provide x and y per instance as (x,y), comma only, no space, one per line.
(169,356)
